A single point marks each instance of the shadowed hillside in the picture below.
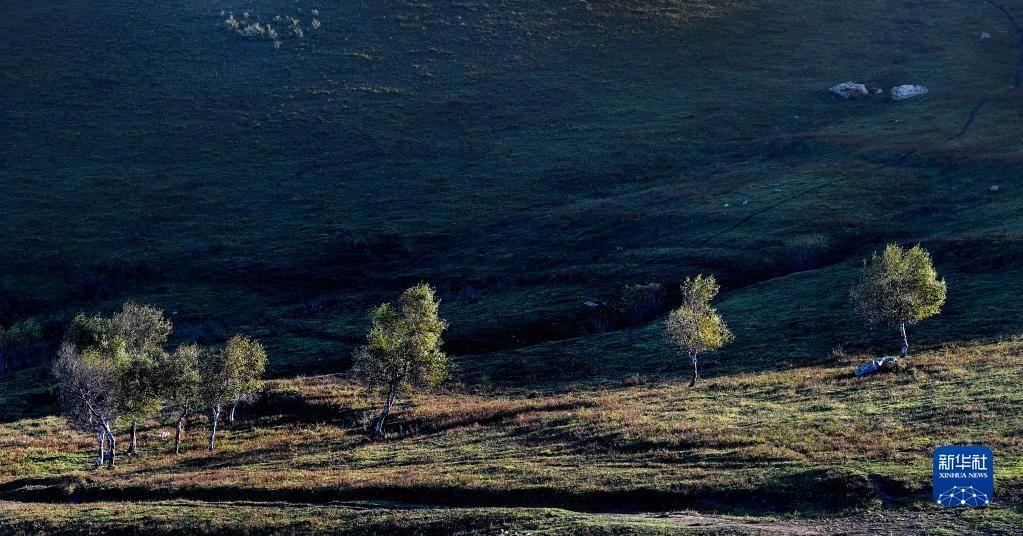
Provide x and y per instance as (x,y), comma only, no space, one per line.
(523,157)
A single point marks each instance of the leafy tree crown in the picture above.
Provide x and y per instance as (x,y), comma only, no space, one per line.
(143,327)
(695,326)
(178,378)
(898,286)
(216,384)
(246,360)
(403,347)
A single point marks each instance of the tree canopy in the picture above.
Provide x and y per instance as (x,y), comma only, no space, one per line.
(246,360)
(403,349)
(898,287)
(695,327)
(89,391)
(215,386)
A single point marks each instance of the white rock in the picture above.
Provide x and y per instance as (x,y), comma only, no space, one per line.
(850,90)
(907,91)
(995,188)
(985,35)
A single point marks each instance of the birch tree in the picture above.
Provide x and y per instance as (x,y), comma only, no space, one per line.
(88,387)
(135,336)
(216,387)
(89,331)
(695,327)
(403,349)
(144,330)
(899,287)
(246,358)
(179,381)
(137,393)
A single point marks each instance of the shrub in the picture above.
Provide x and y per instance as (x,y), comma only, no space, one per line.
(635,304)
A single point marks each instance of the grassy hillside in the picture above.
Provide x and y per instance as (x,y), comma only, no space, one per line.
(758,443)
(523,156)
(519,155)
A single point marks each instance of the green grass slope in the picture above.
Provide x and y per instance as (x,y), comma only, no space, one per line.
(522,156)
(763,442)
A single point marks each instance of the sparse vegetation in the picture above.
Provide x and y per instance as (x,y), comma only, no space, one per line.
(636,304)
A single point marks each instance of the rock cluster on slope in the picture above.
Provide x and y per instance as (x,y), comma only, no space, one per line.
(907,91)
(850,90)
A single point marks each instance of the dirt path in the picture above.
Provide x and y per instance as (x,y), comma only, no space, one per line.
(802,193)
(751,526)
(888,522)
(1017,78)
(973,116)
(1018,73)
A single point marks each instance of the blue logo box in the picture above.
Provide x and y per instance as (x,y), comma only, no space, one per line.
(964,476)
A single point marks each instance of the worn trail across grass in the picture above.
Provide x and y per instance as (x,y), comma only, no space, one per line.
(175,517)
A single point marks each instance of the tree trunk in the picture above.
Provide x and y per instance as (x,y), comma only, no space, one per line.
(230,413)
(113,445)
(101,445)
(214,417)
(378,428)
(696,370)
(177,433)
(905,341)
(133,447)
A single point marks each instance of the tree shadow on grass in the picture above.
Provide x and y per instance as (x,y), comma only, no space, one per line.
(816,490)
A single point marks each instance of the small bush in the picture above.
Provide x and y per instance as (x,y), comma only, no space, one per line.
(22,345)
(635,304)
(806,252)
(634,380)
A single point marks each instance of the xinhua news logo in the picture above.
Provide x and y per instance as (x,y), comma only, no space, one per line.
(964,476)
